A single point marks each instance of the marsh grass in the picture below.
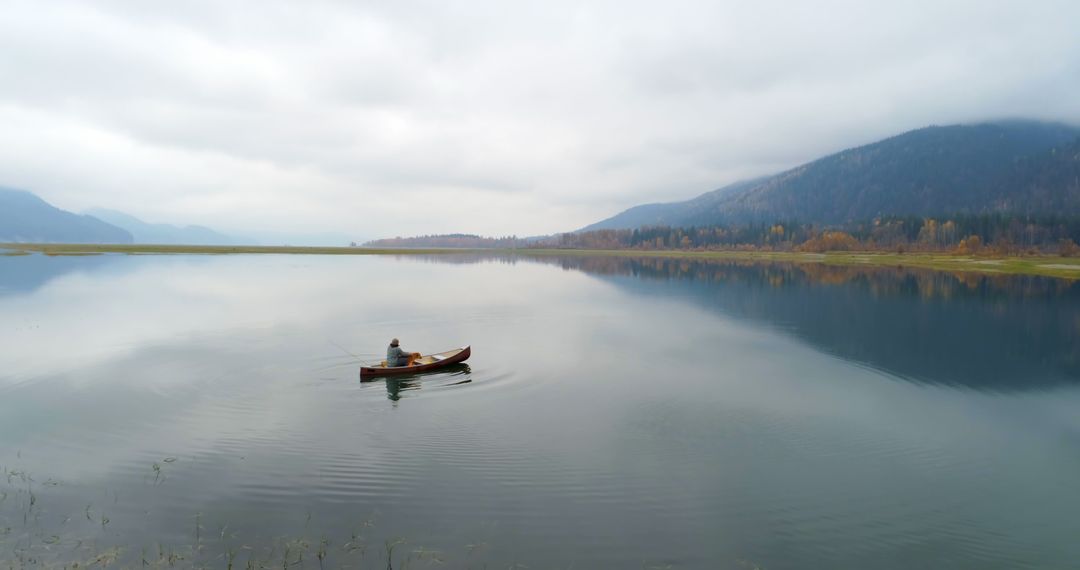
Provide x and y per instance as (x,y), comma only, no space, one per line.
(28,542)
(1044,265)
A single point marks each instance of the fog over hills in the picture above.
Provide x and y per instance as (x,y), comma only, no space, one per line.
(144,232)
(25,218)
(1016,167)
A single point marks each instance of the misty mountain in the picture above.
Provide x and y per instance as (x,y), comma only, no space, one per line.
(1016,167)
(671,213)
(28,219)
(144,232)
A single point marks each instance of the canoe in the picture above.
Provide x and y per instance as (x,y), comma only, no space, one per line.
(423,364)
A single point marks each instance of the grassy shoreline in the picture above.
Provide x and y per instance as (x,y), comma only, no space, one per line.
(1044,265)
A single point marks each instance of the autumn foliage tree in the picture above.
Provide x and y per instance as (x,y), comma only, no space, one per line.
(830,241)
(996,234)
(969,245)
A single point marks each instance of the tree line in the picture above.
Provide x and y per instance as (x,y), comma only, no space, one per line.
(999,234)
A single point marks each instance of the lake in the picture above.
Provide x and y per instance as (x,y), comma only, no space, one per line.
(616,413)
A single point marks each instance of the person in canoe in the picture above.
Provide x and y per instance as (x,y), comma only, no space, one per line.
(395,356)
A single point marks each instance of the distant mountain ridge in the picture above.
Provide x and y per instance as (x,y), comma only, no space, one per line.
(670,213)
(26,218)
(144,232)
(470,241)
(1017,167)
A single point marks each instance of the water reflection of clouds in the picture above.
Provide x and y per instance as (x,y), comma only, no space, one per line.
(81,319)
(924,326)
(173,324)
(222,362)
(77,319)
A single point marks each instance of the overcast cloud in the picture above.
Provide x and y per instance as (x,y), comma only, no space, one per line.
(377,119)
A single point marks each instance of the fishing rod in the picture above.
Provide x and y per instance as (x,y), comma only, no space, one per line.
(346,351)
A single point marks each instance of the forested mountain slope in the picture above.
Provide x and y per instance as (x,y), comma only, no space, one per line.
(1015,167)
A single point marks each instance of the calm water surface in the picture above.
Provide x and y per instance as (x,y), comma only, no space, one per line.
(616,413)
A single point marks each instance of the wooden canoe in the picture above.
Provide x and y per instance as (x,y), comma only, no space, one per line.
(425,363)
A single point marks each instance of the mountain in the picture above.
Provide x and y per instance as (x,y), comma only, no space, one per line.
(161,233)
(462,241)
(1019,167)
(26,218)
(670,214)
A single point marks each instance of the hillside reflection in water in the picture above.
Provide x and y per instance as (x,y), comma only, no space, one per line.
(982,331)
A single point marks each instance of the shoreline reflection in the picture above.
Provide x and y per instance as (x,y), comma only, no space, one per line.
(969,330)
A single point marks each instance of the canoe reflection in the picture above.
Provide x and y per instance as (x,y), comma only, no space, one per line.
(450,376)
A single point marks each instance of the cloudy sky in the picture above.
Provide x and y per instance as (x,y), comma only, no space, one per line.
(375,119)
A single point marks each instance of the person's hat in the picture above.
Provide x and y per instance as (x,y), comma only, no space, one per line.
(394,342)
